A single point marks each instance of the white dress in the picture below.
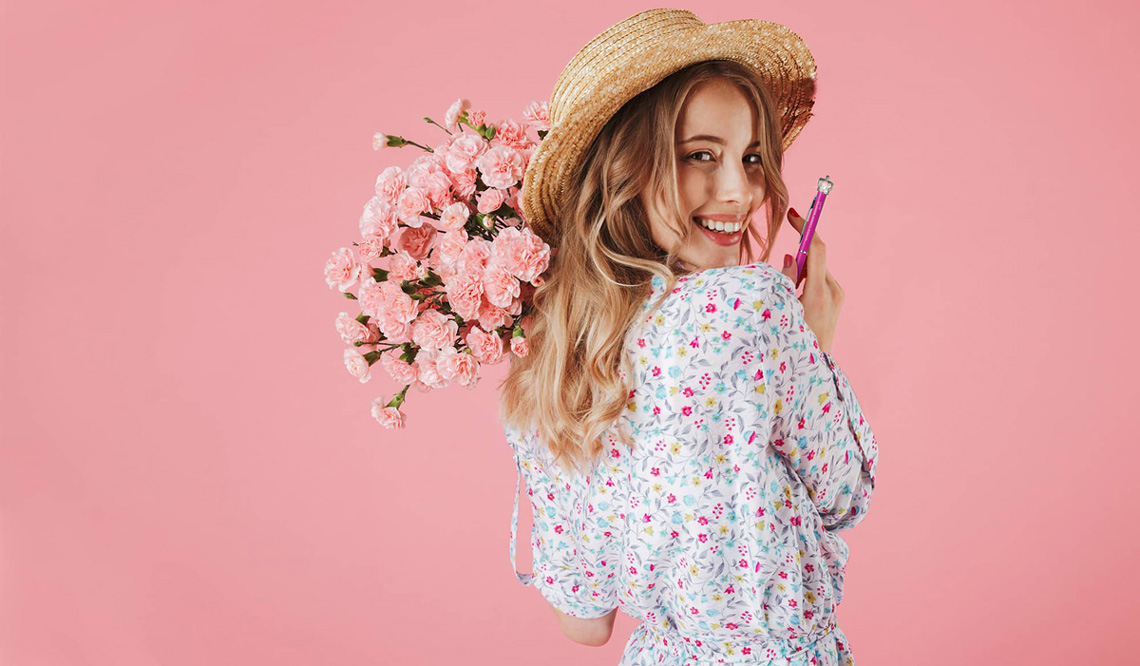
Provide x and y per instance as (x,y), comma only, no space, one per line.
(720,528)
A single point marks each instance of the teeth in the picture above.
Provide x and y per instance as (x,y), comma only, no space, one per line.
(723,227)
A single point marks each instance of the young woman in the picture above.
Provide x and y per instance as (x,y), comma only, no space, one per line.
(689,445)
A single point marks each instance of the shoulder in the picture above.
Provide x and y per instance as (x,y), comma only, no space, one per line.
(745,284)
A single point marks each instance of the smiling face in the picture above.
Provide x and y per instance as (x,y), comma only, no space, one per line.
(720,176)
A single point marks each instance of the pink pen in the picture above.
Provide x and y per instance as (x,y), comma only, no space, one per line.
(809,225)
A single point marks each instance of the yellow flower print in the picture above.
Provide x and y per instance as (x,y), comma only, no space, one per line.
(706,327)
(675,448)
(657,487)
(633,406)
(674,390)
(757,305)
(696,481)
(761,525)
(693,570)
(710,401)
(781,587)
(775,353)
(810,596)
(723,530)
(682,352)
(822,398)
(659,319)
(644,360)
(720,458)
(716,596)
(649,530)
(779,406)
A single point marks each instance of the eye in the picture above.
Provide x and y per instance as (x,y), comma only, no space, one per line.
(693,156)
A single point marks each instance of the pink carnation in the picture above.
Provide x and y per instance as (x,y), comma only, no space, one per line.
(463,183)
(428,371)
(465,293)
(486,347)
(437,187)
(342,270)
(490,200)
(513,134)
(389,417)
(378,219)
(401,266)
(477,118)
(434,330)
(399,370)
(352,331)
(390,184)
(458,366)
(492,316)
(413,201)
(537,114)
(521,252)
(452,246)
(499,285)
(371,247)
(416,241)
(501,166)
(357,365)
(475,255)
(451,118)
(519,346)
(464,150)
(453,218)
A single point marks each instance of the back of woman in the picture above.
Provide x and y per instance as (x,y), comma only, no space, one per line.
(718,527)
(690,448)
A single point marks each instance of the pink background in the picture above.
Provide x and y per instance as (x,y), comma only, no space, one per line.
(190,476)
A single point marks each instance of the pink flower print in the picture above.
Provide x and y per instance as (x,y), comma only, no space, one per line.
(655,471)
(614,453)
(656,371)
(783,367)
(726,335)
(730,625)
(766,314)
(549,580)
(687,410)
(743,563)
(732,590)
(656,410)
(693,610)
(702,537)
(558,529)
(792,603)
(728,440)
(703,520)
(671,498)
(674,534)
(574,589)
(646,518)
(688,392)
(711,307)
(795,520)
(641,342)
(694,344)
(735,303)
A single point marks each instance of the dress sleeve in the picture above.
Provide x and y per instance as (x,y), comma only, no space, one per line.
(573,566)
(818,425)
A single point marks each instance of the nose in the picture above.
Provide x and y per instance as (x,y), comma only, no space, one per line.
(732,185)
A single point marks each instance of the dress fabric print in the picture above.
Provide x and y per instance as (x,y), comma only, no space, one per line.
(720,528)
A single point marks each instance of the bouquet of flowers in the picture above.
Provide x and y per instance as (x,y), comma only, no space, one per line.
(458,262)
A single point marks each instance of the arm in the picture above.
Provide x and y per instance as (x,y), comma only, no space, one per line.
(594,632)
(818,425)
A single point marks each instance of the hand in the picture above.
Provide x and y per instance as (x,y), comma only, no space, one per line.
(822,297)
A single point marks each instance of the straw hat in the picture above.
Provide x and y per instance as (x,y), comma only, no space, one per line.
(635,54)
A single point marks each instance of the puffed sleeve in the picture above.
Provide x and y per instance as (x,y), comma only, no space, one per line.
(818,425)
(573,566)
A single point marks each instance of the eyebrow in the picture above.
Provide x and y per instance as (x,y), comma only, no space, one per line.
(714,139)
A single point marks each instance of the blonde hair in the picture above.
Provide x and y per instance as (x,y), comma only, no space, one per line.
(570,385)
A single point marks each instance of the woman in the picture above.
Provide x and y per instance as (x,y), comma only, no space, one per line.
(690,447)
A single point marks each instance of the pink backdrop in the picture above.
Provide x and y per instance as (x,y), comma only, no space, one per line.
(189,475)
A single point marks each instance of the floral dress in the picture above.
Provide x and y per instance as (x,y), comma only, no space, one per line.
(720,528)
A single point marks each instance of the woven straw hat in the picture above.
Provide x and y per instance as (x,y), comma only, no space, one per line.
(632,56)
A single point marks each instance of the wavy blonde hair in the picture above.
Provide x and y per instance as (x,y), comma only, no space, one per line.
(570,385)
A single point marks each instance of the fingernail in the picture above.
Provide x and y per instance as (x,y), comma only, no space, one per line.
(787,260)
(794,212)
